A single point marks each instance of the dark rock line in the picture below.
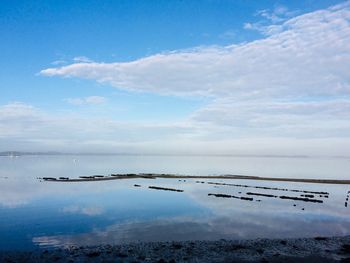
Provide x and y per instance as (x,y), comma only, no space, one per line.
(304,199)
(259,194)
(267,188)
(165,189)
(309,196)
(231,196)
(161,188)
(266,195)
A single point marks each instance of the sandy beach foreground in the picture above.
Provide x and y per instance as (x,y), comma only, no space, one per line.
(318,249)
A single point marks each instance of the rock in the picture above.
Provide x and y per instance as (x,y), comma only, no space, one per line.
(247,198)
(98,176)
(92,254)
(237,247)
(164,188)
(310,196)
(260,251)
(141,257)
(9,260)
(260,194)
(320,238)
(55,258)
(345,248)
(122,255)
(177,246)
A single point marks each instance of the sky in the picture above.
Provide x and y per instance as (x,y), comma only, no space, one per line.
(176,77)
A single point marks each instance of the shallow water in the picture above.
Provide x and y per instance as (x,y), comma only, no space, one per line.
(50,214)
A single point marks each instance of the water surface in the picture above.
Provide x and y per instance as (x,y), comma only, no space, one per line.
(47,214)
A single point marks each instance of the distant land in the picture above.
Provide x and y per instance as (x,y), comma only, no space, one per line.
(56,153)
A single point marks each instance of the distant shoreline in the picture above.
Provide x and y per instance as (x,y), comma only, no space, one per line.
(292,156)
(95,178)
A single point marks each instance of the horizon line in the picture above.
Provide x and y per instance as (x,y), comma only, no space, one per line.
(23,153)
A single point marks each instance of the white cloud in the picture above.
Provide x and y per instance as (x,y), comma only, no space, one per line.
(16,110)
(312,119)
(217,129)
(82,59)
(94,100)
(58,62)
(24,127)
(17,118)
(277,14)
(309,56)
(271,19)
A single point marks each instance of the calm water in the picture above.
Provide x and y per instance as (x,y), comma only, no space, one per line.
(47,214)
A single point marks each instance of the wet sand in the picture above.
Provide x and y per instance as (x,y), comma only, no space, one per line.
(318,249)
(172,176)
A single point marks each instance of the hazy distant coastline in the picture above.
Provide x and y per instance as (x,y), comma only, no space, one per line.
(56,153)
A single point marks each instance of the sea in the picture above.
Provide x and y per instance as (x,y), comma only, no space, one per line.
(37,214)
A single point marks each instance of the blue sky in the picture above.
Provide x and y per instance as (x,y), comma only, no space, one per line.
(165,76)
